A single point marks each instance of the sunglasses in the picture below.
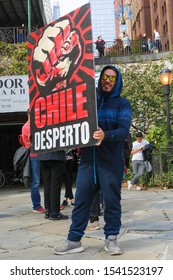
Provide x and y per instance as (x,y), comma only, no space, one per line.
(111,78)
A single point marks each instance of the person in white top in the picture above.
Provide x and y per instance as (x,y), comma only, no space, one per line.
(157,40)
(126,44)
(138,165)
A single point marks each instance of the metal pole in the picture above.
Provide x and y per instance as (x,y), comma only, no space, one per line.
(168,127)
(29,16)
(122,20)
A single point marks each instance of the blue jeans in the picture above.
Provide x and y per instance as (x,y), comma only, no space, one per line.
(35,182)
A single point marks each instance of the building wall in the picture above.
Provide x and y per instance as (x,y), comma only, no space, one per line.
(141,18)
(103,19)
(47,10)
(162,20)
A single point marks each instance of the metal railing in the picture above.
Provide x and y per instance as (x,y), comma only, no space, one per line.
(112,48)
(137,47)
(162,167)
(14,35)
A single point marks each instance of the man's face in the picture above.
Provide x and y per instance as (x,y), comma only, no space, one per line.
(139,139)
(108,79)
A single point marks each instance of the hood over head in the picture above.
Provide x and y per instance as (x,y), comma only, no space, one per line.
(117,89)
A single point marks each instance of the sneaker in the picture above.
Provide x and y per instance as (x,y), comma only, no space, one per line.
(93,226)
(111,245)
(70,247)
(129,185)
(39,210)
(72,202)
(65,202)
(47,214)
(138,188)
(58,216)
(62,207)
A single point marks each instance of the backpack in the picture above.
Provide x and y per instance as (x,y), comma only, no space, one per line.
(20,139)
(19,161)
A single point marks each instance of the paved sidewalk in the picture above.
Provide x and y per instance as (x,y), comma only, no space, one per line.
(146,233)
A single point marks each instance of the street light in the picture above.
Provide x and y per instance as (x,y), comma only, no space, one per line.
(166,79)
(29,16)
(122,19)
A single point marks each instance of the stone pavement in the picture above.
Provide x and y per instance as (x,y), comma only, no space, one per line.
(146,233)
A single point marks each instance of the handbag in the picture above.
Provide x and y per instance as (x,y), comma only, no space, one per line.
(148,166)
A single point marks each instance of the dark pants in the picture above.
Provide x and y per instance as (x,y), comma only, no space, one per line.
(110,184)
(68,179)
(95,208)
(101,52)
(158,45)
(52,172)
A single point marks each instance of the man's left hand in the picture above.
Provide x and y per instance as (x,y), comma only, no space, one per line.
(99,136)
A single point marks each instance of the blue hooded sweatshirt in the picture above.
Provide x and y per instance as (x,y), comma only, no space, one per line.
(114,118)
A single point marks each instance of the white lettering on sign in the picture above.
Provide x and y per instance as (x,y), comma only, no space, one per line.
(69,135)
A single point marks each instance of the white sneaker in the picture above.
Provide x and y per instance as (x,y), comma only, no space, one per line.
(93,226)
(129,185)
(70,247)
(138,188)
(111,245)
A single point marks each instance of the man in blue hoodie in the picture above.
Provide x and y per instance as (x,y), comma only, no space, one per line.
(102,165)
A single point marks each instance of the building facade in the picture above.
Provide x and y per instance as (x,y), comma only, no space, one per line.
(56,9)
(103,19)
(141,18)
(148,15)
(47,10)
(162,21)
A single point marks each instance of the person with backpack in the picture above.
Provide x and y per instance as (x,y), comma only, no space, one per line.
(100,46)
(35,169)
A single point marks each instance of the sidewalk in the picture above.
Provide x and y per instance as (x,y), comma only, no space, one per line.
(146,233)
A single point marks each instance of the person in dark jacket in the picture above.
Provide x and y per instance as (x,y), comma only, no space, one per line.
(102,165)
(53,168)
(100,46)
(144,43)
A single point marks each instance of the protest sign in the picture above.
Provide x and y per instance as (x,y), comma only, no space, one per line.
(62,83)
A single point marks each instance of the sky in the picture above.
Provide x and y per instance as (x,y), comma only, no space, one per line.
(67,6)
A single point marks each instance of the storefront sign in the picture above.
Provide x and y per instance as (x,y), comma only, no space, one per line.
(14,94)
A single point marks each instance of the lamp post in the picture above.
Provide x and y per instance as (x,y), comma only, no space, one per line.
(166,79)
(29,16)
(122,19)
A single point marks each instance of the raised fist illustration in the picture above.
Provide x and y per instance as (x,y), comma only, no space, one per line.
(56,56)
